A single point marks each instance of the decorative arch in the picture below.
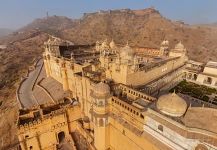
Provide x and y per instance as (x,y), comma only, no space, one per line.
(189,76)
(195,77)
(209,80)
(101,122)
(61,136)
(185,75)
(160,127)
(201,147)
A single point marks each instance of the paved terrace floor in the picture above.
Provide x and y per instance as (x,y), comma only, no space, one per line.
(25,93)
(38,89)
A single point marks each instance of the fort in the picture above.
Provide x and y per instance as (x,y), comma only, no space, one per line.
(118,98)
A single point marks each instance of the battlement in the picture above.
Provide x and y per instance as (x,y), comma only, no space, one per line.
(35,117)
(33,122)
(140,12)
(29,125)
(134,94)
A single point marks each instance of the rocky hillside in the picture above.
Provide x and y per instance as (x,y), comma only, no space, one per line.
(139,27)
(52,24)
(14,62)
(144,28)
(4,32)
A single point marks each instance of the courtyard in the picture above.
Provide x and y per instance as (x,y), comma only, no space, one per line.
(201,92)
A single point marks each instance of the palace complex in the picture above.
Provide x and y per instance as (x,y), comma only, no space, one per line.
(117,98)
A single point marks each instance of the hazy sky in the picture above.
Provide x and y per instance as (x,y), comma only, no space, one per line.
(17,13)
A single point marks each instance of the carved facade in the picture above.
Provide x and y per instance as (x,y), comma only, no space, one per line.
(116,104)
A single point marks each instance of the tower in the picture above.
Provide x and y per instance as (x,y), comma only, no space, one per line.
(64,76)
(100,95)
(46,64)
(164,48)
(178,51)
(97,46)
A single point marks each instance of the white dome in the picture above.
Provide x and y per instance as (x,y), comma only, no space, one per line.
(112,44)
(179,46)
(165,42)
(105,45)
(127,53)
(171,104)
(101,90)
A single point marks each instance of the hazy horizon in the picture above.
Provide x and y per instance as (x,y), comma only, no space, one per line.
(16,14)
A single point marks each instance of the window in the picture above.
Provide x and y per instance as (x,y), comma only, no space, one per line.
(100,103)
(141,116)
(100,122)
(160,127)
(209,80)
(123,132)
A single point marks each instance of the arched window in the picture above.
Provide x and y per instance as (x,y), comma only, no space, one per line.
(61,136)
(189,76)
(195,77)
(100,122)
(100,103)
(123,132)
(209,80)
(160,127)
(201,147)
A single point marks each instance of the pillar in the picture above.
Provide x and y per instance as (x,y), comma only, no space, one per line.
(46,65)
(64,79)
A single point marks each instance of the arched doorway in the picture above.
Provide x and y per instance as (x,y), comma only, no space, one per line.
(61,136)
(185,75)
(189,76)
(101,122)
(201,147)
(209,80)
(195,77)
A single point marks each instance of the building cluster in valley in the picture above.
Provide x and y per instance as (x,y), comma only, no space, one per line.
(119,100)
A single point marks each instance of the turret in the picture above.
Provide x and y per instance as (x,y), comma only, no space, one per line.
(164,49)
(97,46)
(46,59)
(178,51)
(100,95)
(64,75)
(127,55)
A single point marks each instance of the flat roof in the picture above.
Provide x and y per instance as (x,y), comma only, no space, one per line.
(195,62)
(211,64)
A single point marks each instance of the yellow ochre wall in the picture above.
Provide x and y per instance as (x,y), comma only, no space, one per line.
(128,140)
(142,77)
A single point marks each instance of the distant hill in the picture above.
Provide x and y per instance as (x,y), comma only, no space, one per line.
(4,32)
(145,27)
(52,24)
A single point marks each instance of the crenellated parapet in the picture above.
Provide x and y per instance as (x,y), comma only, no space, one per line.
(30,125)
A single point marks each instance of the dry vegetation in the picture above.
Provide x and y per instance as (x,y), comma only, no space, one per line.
(145,29)
(14,62)
(142,28)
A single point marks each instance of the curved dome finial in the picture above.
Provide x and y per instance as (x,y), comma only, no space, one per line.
(171,104)
(112,44)
(101,90)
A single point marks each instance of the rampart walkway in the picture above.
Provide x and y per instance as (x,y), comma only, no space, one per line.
(36,88)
